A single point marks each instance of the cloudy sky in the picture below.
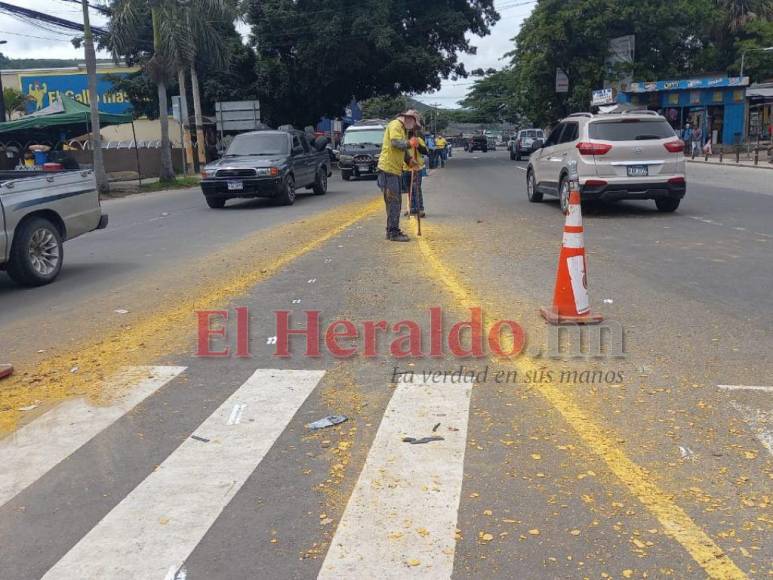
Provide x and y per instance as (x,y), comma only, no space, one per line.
(37,40)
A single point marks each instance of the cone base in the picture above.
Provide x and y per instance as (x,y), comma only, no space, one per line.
(554,318)
(6,371)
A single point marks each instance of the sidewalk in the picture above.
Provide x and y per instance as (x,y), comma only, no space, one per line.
(729,160)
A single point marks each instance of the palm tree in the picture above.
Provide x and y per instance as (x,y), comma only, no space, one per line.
(199,32)
(128,16)
(740,12)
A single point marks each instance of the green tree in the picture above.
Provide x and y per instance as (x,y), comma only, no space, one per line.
(491,98)
(128,20)
(383,107)
(314,56)
(14,100)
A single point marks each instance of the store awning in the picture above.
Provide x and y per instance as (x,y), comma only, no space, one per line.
(764,92)
(63,114)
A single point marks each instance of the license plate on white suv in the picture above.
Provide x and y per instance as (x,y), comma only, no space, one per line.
(235,185)
(638,170)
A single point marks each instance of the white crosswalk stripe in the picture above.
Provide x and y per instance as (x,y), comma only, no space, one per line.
(156,527)
(401,518)
(39,446)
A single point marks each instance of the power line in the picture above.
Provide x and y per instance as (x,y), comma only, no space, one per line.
(33,36)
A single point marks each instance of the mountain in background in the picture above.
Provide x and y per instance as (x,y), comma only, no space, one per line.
(22,63)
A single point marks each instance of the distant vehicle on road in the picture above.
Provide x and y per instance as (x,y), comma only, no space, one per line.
(630,155)
(526,142)
(271,163)
(360,148)
(39,211)
(477,143)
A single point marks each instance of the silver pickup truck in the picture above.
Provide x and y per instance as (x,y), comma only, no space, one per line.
(38,211)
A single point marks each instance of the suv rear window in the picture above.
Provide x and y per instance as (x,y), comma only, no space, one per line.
(630,130)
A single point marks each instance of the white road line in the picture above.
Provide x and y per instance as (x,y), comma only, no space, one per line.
(33,450)
(163,519)
(521,168)
(745,388)
(761,423)
(400,521)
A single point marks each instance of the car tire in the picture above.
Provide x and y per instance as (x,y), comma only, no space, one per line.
(563,195)
(320,183)
(485,149)
(346,175)
(667,204)
(215,202)
(531,187)
(287,194)
(36,253)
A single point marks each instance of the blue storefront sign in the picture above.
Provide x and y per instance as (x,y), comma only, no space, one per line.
(44,88)
(714,104)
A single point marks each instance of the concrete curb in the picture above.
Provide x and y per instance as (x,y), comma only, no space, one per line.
(765,165)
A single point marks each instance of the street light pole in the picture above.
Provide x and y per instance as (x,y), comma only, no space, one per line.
(2,95)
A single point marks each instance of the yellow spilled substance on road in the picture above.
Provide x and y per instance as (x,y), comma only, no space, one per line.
(167,326)
(675,521)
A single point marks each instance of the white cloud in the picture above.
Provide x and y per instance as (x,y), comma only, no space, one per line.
(490,54)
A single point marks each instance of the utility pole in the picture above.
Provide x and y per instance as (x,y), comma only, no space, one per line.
(103,186)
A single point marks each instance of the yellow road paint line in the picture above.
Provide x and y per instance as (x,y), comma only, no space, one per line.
(675,521)
(163,331)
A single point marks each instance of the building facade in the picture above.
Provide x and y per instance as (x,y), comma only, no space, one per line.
(716,105)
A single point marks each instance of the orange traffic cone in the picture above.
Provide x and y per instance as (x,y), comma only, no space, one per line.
(571,304)
(6,371)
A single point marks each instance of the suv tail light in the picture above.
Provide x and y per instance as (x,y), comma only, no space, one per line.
(677,181)
(674,146)
(590,148)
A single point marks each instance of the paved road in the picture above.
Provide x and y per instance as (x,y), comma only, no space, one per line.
(130,457)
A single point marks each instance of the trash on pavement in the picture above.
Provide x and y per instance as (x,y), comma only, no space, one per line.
(5,370)
(608,301)
(28,408)
(327,422)
(202,439)
(414,441)
(435,427)
(121,311)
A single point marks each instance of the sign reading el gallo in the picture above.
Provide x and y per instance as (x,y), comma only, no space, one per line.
(44,88)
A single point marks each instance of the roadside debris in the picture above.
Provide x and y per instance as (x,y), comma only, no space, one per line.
(434,429)
(28,408)
(414,441)
(121,311)
(608,301)
(202,439)
(329,421)
(6,371)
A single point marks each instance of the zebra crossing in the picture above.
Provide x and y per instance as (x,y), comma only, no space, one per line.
(154,529)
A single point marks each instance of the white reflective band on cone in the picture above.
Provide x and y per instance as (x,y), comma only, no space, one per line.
(574,217)
(573,240)
(576,266)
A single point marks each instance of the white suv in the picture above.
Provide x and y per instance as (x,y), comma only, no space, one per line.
(632,155)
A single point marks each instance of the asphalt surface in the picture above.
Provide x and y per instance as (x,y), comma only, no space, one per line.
(649,468)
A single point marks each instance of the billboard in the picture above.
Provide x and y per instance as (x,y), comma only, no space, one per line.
(44,88)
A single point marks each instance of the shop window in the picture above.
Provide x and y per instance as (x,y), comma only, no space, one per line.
(695,98)
(716,96)
(738,95)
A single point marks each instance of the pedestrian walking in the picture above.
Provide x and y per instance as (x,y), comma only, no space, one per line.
(432,147)
(696,137)
(394,152)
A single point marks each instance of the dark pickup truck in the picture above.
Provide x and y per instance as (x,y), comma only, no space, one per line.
(271,163)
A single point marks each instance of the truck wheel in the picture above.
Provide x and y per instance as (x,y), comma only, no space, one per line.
(346,175)
(320,184)
(215,202)
(287,195)
(36,253)
(667,204)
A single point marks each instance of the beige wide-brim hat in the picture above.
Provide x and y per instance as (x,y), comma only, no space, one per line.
(412,113)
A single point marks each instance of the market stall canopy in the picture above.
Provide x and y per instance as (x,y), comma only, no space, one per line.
(63,114)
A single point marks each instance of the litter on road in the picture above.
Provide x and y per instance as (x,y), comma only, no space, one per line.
(6,370)
(414,441)
(329,421)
